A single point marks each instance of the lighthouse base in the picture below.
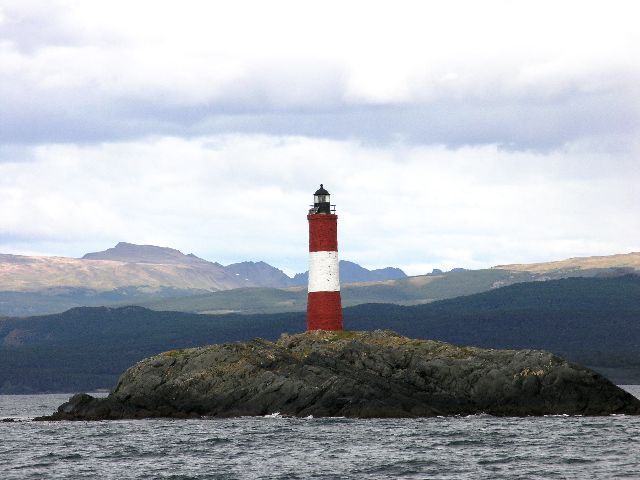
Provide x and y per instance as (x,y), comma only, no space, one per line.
(324,311)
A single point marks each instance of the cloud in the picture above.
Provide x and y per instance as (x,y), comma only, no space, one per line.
(462,73)
(236,197)
(460,133)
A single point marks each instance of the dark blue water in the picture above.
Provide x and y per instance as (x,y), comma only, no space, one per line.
(474,447)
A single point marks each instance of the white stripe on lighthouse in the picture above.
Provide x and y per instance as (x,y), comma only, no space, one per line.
(323,272)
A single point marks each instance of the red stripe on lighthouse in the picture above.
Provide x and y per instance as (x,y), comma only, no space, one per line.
(324,311)
(323,233)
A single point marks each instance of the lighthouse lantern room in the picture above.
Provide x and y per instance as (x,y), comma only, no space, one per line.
(324,306)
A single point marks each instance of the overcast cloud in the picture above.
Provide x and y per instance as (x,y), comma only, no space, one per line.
(465,134)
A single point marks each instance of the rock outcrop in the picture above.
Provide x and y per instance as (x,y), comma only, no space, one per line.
(352,374)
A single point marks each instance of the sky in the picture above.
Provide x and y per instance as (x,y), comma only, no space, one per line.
(449,134)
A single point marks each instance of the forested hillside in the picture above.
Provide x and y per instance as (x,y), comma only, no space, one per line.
(593,321)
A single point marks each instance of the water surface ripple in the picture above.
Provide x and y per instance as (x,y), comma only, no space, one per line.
(474,447)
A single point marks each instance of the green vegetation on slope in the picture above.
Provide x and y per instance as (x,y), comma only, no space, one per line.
(406,291)
(238,300)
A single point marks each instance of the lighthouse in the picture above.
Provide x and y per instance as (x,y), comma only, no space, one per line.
(324,307)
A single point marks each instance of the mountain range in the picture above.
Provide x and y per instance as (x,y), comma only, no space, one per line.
(416,290)
(129,273)
(149,266)
(163,278)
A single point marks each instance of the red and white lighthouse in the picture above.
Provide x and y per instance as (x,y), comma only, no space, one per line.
(324,307)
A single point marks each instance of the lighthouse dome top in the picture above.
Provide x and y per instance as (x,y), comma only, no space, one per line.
(321,202)
(321,191)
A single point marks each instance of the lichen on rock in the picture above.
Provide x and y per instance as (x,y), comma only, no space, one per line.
(352,374)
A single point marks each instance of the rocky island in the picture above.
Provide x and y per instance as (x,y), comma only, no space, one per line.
(351,374)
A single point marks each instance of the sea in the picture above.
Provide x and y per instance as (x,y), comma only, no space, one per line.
(464,447)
